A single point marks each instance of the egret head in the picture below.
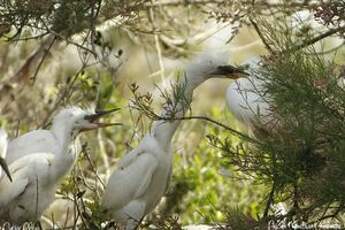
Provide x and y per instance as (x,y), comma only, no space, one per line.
(3,150)
(82,120)
(211,65)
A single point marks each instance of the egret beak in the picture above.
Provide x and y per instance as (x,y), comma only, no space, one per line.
(93,119)
(230,72)
(4,166)
(99,114)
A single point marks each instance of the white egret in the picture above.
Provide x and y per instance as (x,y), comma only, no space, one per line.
(53,140)
(142,176)
(3,150)
(36,175)
(245,98)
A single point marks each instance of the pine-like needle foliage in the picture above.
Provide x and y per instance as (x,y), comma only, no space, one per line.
(300,152)
(307,147)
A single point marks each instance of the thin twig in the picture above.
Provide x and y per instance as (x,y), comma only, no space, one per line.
(157,44)
(69,41)
(269,200)
(262,37)
(331,50)
(93,167)
(59,100)
(210,120)
(104,156)
(315,39)
(27,38)
(46,52)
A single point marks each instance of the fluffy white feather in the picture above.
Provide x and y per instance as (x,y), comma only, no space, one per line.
(205,63)
(245,100)
(52,140)
(39,160)
(142,176)
(33,188)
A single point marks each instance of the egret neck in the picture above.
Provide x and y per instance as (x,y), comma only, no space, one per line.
(65,134)
(163,130)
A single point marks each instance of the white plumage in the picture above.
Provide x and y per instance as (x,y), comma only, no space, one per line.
(3,149)
(41,159)
(41,140)
(33,142)
(139,182)
(142,176)
(65,127)
(35,178)
(245,98)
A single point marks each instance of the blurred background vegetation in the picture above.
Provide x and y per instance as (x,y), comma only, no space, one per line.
(87,53)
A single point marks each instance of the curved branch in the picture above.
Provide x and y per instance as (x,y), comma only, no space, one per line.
(258,31)
(316,39)
(210,120)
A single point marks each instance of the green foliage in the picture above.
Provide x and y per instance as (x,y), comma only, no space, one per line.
(62,18)
(202,190)
(300,151)
(298,160)
(309,146)
(237,220)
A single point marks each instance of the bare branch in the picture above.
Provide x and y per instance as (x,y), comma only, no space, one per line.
(320,37)
(262,37)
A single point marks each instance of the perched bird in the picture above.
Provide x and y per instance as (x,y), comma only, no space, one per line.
(142,176)
(36,175)
(65,126)
(3,150)
(246,98)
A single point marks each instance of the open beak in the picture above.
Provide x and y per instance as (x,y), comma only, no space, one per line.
(93,119)
(230,71)
(4,166)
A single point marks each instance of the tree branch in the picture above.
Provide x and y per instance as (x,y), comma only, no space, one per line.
(210,120)
(316,39)
(257,29)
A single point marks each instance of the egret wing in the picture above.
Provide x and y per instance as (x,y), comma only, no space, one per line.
(131,182)
(10,190)
(32,142)
(129,158)
(23,171)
